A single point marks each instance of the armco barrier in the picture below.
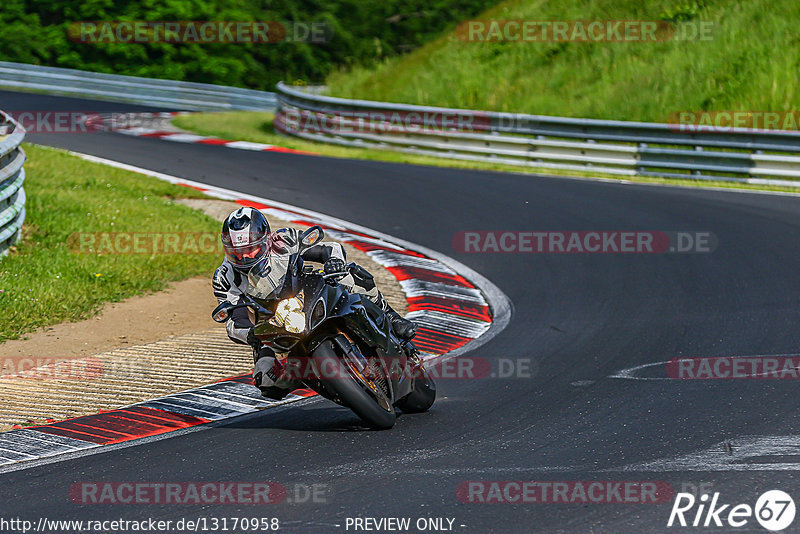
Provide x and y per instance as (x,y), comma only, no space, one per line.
(588,145)
(12,175)
(148,91)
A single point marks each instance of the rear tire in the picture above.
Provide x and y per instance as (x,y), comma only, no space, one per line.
(421,397)
(349,391)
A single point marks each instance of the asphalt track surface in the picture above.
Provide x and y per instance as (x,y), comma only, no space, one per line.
(580,317)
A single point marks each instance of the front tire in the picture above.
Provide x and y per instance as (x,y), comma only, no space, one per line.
(422,395)
(344,386)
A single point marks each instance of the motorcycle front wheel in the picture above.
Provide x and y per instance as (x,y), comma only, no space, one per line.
(349,390)
(422,395)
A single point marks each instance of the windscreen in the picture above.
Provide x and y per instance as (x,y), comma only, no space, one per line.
(266,278)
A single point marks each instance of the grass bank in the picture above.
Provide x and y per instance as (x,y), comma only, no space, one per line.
(44,282)
(749,63)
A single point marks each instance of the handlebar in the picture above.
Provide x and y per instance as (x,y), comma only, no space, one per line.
(334,275)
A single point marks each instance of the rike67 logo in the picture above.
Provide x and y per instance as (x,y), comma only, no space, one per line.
(774,510)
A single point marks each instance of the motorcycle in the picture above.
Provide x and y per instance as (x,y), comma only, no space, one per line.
(339,344)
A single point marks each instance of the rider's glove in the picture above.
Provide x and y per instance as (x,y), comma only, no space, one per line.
(334,265)
(252,340)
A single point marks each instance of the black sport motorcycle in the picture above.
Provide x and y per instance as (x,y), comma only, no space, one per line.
(337,343)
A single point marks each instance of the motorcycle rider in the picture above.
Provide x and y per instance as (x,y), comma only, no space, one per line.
(247,240)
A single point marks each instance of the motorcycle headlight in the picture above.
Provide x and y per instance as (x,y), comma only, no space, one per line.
(289,315)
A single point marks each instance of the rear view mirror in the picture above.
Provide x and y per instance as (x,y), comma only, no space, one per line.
(222,312)
(311,236)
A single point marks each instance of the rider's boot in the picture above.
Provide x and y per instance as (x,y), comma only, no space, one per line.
(404,328)
(265,377)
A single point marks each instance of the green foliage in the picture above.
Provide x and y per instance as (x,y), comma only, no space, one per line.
(361,32)
(750,62)
(683,12)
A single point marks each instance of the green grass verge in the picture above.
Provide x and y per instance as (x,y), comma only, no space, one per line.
(750,63)
(257,127)
(42,282)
